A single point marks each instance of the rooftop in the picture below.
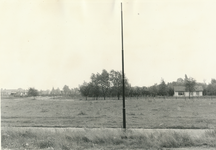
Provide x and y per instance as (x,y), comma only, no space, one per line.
(183,89)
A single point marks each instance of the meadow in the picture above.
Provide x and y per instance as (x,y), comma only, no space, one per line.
(147,113)
(97,117)
(103,139)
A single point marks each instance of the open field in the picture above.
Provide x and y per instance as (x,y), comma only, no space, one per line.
(106,139)
(141,113)
(19,115)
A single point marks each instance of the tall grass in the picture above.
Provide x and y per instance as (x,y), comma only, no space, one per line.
(66,139)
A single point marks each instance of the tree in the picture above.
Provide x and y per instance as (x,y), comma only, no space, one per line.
(40,93)
(130,91)
(170,91)
(180,80)
(53,92)
(66,90)
(190,85)
(137,91)
(153,90)
(186,78)
(94,86)
(58,92)
(163,90)
(145,91)
(213,81)
(211,88)
(104,83)
(117,83)
(33,92)
(85,89)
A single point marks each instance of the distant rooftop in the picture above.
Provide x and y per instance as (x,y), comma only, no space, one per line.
(183,89)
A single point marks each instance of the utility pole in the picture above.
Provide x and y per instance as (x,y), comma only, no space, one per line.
(123,89)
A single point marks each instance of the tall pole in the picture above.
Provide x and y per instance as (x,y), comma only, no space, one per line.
(123,89)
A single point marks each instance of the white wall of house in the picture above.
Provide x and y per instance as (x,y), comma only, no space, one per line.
(186,93)
(200,93)
(177,94)
(196,94)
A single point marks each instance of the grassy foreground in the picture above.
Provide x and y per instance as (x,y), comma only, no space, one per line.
(147,113)
(14,138)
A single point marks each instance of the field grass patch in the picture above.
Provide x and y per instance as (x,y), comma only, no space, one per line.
(176,113)
(101,138)
(82,113)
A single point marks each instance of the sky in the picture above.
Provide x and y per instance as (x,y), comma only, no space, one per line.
(52,43)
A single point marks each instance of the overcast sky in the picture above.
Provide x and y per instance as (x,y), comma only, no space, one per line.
(52,43)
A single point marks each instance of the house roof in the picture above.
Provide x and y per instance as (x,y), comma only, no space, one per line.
(179,88)
(183,89)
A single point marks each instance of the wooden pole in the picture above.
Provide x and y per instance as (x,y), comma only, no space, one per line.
(123,87)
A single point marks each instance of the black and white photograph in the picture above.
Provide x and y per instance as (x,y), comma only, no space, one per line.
(108,74)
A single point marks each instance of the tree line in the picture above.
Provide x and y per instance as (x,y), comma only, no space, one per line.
(104,84)
(66,92)
(109,84)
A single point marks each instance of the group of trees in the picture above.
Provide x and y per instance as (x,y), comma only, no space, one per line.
(211,88)
(66,91)
(164,89)
(110,84)
(104,84)
(161,89)
(33,92)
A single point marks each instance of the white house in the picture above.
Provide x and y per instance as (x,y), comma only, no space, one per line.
(180,91)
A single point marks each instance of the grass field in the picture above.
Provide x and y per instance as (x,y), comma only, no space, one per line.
(140,113)
(22,138)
